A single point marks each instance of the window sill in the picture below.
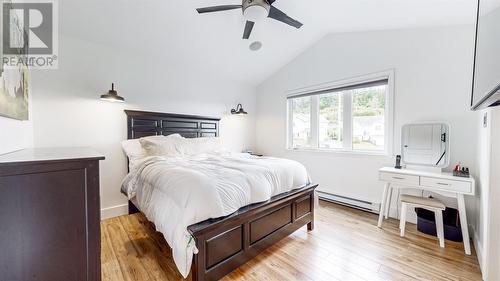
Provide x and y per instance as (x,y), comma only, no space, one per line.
(342,152)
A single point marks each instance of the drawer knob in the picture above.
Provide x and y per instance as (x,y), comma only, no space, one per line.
(446,184)
(398,178)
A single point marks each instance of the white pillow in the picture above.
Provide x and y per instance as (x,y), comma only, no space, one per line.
(200,145)
(134,151)
(161,145)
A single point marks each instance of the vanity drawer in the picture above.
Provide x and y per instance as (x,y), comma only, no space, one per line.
(399,178)
(451,185)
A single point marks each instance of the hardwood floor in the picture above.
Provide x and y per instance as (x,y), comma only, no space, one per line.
(345,245)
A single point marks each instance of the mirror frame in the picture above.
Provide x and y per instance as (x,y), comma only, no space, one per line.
(448,146)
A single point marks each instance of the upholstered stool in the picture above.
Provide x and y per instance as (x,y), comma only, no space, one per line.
(430,204)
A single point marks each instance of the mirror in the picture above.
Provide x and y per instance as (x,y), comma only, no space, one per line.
(426,144)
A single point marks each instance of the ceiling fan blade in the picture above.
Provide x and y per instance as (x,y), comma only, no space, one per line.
(248,29)
(218,8)
(270,1)
(278,15)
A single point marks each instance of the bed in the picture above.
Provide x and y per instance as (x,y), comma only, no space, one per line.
(223,244)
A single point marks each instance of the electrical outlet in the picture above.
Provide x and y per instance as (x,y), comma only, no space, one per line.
(485,120)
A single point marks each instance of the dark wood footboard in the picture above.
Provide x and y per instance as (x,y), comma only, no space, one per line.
(225,244)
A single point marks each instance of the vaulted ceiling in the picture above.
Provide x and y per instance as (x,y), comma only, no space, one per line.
(173,32)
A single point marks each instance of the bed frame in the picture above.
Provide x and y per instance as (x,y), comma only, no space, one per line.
(226,243)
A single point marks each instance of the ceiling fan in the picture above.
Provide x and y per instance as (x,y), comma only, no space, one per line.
(253,11)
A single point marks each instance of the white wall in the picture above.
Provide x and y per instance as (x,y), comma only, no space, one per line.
(67,110)
(488,223)
(433,70)
(493,246)
(15,134)
(482,186)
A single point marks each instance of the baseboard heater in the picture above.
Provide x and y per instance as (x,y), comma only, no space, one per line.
(350,202)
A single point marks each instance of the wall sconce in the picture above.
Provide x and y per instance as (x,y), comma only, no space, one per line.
(239,110)
(112,95)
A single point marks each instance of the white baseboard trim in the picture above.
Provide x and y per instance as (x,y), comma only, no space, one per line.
(479,252)
(115,211)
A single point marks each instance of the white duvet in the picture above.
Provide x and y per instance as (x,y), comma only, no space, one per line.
(175,192)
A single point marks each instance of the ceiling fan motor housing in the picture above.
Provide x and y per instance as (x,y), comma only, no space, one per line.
(255,10)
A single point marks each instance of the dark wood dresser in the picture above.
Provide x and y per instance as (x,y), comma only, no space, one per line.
(50,215)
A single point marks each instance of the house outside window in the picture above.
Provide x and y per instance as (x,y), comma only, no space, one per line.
(353,115)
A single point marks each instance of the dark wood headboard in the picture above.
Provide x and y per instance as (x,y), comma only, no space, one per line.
(143,124)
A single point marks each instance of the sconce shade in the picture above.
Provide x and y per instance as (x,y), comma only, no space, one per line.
(112,95)
(239,110)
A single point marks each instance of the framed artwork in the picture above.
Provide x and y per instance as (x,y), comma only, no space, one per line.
(14,96)
(14,99)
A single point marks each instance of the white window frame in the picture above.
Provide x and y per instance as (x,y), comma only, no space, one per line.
(347,112)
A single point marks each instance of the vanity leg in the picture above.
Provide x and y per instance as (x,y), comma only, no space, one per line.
(383,205)
(402,219)
(438,214)
(388,203)
(463,223)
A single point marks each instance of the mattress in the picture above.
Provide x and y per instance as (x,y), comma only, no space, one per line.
(177,191)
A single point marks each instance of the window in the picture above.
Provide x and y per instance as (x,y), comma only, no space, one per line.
(368,118)
(353,116)
(301,107)
(331,117)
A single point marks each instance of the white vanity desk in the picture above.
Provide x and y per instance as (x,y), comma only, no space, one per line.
(441,183)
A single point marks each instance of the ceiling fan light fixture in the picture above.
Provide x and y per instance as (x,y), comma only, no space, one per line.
(255,13)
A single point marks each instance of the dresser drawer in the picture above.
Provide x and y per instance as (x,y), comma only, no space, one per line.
(400,179)
(451,185)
